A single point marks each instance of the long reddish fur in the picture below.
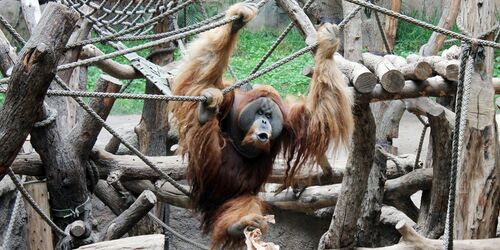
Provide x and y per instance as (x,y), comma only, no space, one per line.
(224,183)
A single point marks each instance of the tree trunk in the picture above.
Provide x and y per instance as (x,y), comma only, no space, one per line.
(447,20)
(478,189)
(66,157)
(31,78)
(432,220)
(387,116)
(391,23)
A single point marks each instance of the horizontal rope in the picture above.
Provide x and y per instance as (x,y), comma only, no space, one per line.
(146,45)
(426,25)
(170,33)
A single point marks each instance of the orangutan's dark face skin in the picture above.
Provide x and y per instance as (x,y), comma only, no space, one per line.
(256,126)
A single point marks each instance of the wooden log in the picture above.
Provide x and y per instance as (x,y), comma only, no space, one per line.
(31,12)
(433,208)
(126,220)
(84,135)
(413,71)
(359,76)
(449,14)
(150,242)
(39,232)
(32,76)
(478,192)
(390,78)
(434,86)
(301,20)
(108,195)
(7,55)
(311,199)
(391,23)
(445,68)
(64,116)
(132,168)
(452,53)
(114,69)
(66,158)
(342,229)
(368,234)
(410,239)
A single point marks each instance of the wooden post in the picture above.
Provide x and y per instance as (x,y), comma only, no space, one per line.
(478,192)
(39,232)
(449,15)
(32,76)
(391,23)
(342,230)
(150,242)
(7,55)
(121,224)
(66,157)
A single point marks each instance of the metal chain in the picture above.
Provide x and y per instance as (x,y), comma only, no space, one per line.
(132,29)
(12,31)
(279,40)
(426,25)
(102,122)
(382,33)
(461,110)
(32,202)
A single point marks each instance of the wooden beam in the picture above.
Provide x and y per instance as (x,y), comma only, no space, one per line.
(150,242)
(390,78)
(301,20)
(114,69)
(309,200)
(412,240)
(39,232)
(441,66)
(126,220)
(358,75)
(448,17)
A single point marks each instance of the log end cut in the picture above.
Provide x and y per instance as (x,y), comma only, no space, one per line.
(393,81)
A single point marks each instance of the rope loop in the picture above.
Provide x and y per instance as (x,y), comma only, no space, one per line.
(51,117)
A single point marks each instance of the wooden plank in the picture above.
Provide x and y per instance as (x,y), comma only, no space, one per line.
(150,242)
(39,232)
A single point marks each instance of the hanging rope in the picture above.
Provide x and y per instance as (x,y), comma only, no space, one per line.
(32,202)
(461,110)
(12,220)
(383,35)
(279,40)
